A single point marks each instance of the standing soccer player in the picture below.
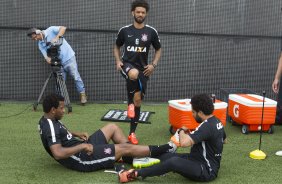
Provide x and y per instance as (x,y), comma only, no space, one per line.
(136,39)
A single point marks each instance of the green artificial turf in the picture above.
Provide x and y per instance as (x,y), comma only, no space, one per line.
(24,160)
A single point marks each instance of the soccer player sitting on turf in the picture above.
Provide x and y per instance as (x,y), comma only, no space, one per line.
(203,162)
(80,152)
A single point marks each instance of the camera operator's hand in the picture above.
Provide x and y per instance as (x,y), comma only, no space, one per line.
(48,60)
(55,40)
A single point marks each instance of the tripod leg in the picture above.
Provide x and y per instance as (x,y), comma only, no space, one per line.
(42,91)
(64,92)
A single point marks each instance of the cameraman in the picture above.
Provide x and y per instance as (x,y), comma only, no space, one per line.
(66,54)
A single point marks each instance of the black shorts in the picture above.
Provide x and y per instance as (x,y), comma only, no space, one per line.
(103,156)
(142,79)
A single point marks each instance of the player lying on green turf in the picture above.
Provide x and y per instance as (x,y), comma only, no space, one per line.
(78,151)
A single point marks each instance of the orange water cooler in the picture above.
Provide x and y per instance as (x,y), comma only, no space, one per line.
(180,114)
(246,110)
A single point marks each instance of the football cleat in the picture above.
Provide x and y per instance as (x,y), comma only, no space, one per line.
(132,138)
(144,162)
(127,175)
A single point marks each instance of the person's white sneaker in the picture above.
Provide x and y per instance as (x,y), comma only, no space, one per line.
(279,153)
(144,162)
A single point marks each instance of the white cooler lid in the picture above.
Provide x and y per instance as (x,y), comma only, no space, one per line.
(184,104)
(252,100)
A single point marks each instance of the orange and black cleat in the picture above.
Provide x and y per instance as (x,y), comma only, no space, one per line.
(132,138)
(127,175)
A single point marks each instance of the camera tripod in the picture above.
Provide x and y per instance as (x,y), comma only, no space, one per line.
(61,87)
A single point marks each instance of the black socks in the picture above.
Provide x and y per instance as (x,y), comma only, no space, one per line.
(158,150)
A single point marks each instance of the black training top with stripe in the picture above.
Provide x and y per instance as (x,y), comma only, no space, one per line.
(54,132)
(208,138)
(137,44)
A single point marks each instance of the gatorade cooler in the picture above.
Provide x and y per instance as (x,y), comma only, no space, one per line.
(246,110)
(180,114)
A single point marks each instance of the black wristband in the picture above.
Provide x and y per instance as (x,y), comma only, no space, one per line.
(154,65)
(180,130)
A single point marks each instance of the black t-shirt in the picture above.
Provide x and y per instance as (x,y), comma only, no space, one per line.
(54,132)
(137,44)
(208,138)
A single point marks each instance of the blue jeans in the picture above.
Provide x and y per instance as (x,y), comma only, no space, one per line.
(71,68)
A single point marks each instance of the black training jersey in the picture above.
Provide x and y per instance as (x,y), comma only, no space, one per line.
(137,44)
(208,138)
(54,132)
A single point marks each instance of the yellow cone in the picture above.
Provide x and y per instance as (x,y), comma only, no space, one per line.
(258,155)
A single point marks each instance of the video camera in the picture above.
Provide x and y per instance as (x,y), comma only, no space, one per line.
(54,51)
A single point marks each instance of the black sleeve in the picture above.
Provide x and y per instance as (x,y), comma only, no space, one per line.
(224,135)
(51,134)
(156,40)
(120,37)
(201,133)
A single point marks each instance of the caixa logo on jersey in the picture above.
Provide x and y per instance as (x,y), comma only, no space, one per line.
(136,49)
